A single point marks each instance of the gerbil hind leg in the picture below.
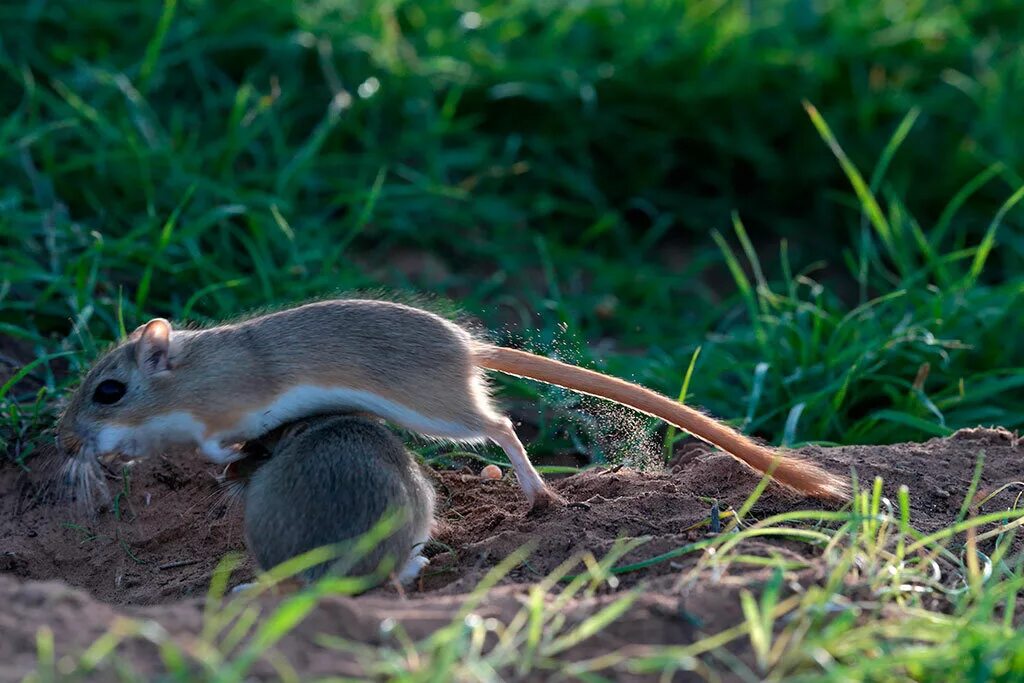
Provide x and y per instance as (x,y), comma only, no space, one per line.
(503,433)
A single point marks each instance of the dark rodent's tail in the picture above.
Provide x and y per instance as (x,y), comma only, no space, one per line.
(789,470)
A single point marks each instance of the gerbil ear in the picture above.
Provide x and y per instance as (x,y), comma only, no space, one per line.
(152,348)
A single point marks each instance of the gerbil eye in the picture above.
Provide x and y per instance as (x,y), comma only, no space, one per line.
(109,391)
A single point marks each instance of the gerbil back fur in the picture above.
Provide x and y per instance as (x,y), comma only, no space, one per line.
(789,470)
(329,480)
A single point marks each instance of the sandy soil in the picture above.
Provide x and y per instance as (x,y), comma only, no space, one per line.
(154,557)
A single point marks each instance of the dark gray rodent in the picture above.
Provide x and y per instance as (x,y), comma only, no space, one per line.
(328,479)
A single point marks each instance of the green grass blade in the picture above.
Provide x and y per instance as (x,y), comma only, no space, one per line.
(670,433)
(988,242)
(863,192)
(156,44)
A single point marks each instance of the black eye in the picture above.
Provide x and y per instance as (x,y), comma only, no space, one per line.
(109,391)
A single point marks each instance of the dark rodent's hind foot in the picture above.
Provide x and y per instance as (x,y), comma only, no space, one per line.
(546,499)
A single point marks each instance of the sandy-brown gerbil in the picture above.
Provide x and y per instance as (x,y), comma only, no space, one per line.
(221,386)
(327,480)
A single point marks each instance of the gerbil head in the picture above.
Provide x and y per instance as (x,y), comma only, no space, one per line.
(120,392)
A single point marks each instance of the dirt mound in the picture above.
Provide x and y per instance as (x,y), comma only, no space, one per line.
(151,553)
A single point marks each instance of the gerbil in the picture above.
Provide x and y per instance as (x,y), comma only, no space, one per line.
(329,479)
(220,386)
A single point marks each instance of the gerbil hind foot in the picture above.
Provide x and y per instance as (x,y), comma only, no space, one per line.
(537,491)
(412,569)
(546,499)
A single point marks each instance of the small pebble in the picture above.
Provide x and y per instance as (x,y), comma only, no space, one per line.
(491,472)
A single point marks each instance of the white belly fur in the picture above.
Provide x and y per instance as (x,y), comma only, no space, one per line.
(172,428)
(309,399)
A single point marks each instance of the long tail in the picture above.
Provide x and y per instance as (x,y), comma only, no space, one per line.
(789,470)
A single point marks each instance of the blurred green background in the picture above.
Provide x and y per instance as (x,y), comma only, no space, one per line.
(617,182)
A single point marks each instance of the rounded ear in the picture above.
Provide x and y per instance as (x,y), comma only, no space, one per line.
(152,346)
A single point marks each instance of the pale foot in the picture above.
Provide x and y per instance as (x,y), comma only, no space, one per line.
(219,453)
(546,499)
(412,569)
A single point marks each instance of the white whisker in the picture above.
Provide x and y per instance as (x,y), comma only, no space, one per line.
(223,497)
(82,483)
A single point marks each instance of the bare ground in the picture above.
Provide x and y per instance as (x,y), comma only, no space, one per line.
(154,557)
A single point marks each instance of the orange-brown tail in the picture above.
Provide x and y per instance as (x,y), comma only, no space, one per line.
(789,470)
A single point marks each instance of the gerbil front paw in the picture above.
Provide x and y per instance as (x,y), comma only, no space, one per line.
(221,454)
